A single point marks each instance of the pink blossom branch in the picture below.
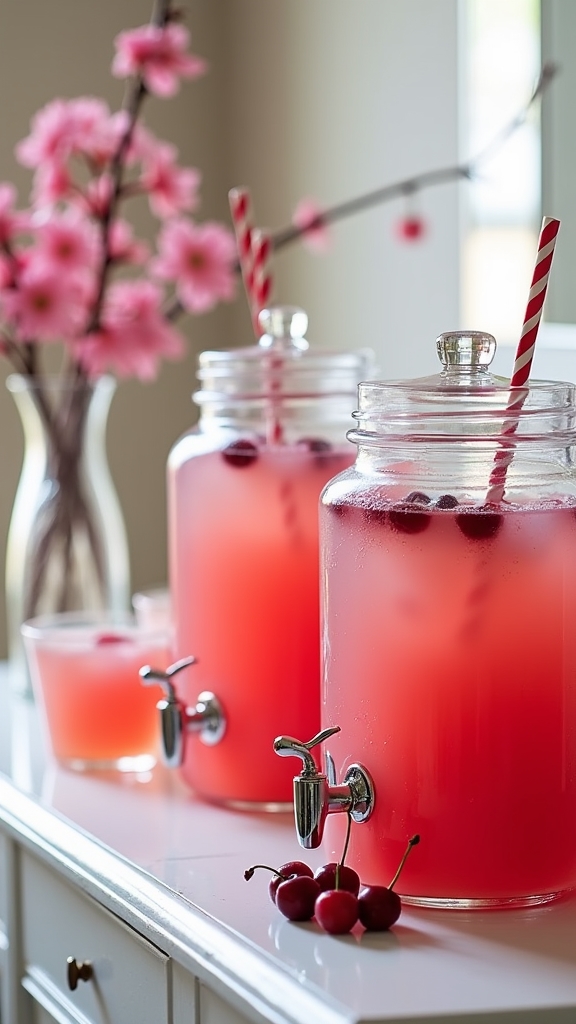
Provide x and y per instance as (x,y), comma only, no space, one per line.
(419,182)
(135,95)
(404,187)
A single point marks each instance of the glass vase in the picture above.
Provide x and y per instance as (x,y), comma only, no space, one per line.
(67,547)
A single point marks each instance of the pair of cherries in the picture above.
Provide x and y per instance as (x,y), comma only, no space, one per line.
(333,895)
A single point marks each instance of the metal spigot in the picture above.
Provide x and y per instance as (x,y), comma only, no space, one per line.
(316,794)
(176,718)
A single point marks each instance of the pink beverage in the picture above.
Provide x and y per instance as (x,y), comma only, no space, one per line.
(243,495)
(244,573)
(86,678)
(449,650)
(460,643)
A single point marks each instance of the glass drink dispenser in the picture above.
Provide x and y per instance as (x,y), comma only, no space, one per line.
(243,494)
(449,637)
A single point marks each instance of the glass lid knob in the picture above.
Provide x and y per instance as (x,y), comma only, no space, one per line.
(283,327)
(465,349)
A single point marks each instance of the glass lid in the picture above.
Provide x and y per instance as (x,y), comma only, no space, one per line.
(465,398)
(282,363)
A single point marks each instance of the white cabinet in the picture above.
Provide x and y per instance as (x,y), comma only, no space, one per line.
(46,918)
(129,976)
(146,882)
(213,1009)
(185,994)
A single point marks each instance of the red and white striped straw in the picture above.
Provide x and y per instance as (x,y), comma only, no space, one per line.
(261,281)
(524,354)
(242,220)
(241,210)
(254,253)
(527,343)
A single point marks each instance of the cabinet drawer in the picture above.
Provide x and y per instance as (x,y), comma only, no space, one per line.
(213,1010)
(130,979)
(184,996)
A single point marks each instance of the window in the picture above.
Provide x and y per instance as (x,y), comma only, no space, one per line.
(503,203)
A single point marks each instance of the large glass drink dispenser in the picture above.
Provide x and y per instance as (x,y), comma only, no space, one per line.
(449,636)
(243,493)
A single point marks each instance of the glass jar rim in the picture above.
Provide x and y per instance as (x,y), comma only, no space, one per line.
(428,410)
(69,625)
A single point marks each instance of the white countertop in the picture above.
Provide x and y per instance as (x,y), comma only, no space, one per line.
(172,865)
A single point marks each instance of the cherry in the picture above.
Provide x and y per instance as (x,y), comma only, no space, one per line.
(296,897)
(481,524)
(406,520)
(418,498)
(240,453)
(336,911)
(343,508)
(109,638)
(410,228)
(291,869)
(348,879)
(379,906)
(446,501)
(376,515)
(315,444)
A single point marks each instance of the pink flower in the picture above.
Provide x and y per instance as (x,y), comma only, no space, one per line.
(309,217)
(50,137)
(171,189)
(99,193)
(158,55)
(63,127)
(200,259)
(67,242)
(123,246)
(52,182)
(94,132)
(133,335)
(6,272)
(10,221)
(44,305)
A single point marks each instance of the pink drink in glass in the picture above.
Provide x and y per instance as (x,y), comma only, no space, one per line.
(86,677)
(243,535)
(450,665)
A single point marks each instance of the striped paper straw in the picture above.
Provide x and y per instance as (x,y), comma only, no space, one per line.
(524,355)
(242,220)
(260,290)
(241,210)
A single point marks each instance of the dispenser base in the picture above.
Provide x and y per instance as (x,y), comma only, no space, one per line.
(265,806)
(498,903)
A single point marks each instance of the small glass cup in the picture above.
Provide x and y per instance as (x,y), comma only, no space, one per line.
(152,608)
(85,675)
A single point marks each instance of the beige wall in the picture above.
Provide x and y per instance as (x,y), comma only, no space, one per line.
(322,97)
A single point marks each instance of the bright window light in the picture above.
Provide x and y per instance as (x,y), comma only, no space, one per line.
(502,64)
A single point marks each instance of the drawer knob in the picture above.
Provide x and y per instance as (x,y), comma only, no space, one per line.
(78,971)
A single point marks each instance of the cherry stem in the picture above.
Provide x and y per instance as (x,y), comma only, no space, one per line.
(411,842)
(250,871)
(340,863)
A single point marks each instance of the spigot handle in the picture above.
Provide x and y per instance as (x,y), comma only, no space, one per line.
(150,675)
(287,746)
(206,717)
